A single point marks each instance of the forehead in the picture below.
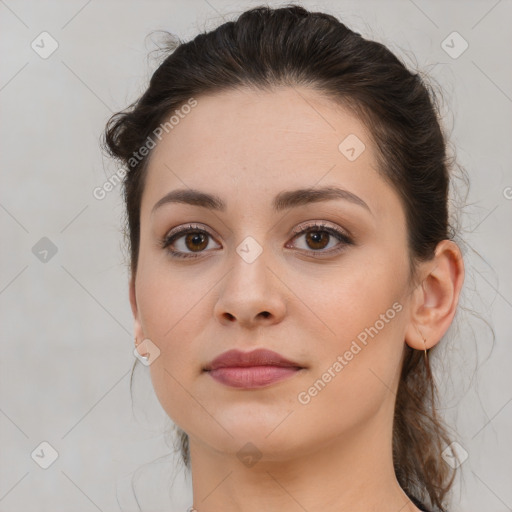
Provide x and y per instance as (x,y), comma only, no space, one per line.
(255,142)
(260,125)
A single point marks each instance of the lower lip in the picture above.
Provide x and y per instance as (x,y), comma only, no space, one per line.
(252,376)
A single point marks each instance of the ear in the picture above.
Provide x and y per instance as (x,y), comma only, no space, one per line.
(138,332)
(436,297)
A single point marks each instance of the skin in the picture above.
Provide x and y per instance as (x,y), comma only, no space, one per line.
(333,453)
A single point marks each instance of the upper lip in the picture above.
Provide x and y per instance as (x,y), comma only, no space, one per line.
(258,357)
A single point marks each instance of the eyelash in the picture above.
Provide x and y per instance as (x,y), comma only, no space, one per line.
(300,230)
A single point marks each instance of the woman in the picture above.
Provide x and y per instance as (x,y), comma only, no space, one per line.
(293,265)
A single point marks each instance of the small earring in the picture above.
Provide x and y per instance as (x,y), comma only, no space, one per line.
(145,356)
(425,345)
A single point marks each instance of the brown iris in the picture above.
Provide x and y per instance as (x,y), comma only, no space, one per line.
(194,239)
(314,238)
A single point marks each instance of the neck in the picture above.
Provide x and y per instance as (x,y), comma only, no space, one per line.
(353,472)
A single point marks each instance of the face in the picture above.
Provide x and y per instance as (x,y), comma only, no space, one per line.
(321,279)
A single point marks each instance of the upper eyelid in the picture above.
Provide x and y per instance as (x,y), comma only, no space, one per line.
(295,231)
(303,226)
(178,230)
(346,236)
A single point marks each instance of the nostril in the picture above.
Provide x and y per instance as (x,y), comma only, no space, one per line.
(266,314)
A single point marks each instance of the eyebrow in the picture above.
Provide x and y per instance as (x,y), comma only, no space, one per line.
(282,201)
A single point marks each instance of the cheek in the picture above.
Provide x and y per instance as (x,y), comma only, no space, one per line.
(354,297)
(364,310)
(172,308)
(356,369)
(170,300)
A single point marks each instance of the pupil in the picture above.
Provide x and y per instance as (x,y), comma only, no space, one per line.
(316,238)
(195,239)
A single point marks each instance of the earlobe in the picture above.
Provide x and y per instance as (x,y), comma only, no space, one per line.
(436,298)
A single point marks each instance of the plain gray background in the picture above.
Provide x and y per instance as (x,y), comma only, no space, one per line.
(66,323)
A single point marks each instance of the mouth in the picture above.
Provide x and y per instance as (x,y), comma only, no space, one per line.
(250,377)
(256,369)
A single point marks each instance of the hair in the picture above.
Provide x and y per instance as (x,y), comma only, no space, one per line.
(290,46)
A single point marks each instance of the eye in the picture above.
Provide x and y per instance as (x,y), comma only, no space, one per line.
(318,237)
(187,238)
(190,241)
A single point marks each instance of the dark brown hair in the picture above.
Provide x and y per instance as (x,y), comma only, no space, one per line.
(290,46)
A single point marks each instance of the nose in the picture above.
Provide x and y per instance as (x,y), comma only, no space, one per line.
(252,295)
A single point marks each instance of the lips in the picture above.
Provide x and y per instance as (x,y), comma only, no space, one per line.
(251,370)
(259,357)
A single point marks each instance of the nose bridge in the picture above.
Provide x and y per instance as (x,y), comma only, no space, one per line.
(249,270)
(250,289)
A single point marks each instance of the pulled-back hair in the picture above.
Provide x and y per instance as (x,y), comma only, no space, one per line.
(290,46)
